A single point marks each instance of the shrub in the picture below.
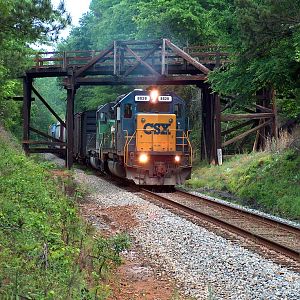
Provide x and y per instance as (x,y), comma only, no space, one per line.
(44,245)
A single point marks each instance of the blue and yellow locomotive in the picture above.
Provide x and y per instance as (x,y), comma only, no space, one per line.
(142,136)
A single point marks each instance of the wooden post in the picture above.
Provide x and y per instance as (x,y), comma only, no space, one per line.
(275,120)
(217,122)
(115,57)
(204,149)
(208,143)
(27,90)
(70,125)
(122,60)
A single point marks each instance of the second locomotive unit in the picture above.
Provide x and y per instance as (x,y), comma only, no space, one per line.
(142,136)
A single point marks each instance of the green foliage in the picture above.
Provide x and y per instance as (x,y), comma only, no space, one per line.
(32,20)
(45,246)
(184,22)
(263,39)
(55,96)
(91,98)
(22,23)
(289,104)
(107,253)
(268,181)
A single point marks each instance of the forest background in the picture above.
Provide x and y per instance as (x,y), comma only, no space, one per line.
(261,37)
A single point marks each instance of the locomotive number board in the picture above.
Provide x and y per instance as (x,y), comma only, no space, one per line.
(165,98)
(147,98)
(142,98)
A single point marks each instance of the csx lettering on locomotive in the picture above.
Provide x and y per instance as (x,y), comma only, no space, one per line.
(157,128)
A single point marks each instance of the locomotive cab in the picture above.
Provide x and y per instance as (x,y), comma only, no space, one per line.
(157,150)
(143,137)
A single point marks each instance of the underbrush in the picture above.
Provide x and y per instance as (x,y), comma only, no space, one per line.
(46,250)
(267,181)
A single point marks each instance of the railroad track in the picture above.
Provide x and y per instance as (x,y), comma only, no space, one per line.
(272,234)
(267,232)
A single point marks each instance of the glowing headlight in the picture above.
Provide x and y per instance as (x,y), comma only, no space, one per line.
(154,95)
(143,158)
(177,158)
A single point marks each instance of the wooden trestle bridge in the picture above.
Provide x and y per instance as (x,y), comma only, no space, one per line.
(158,62)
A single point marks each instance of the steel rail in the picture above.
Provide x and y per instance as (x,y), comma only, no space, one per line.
(258,239)
(262,218)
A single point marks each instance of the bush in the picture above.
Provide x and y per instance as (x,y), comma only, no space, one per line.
(44,245)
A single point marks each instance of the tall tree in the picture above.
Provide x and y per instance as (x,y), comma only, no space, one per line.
(263,39)
(23,23)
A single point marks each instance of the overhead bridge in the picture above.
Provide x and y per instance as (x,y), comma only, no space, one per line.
(156,62)
(130,62)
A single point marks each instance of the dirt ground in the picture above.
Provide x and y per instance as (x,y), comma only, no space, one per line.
(135,279)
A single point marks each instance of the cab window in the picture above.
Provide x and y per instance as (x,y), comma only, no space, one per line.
(128,111)
(178,110)
(149,107)
(102,118)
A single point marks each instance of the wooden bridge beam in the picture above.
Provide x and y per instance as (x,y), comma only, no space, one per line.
(70,122)
(27,90)
(48,106)
(211,127)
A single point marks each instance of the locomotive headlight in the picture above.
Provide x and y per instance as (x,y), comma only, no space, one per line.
(154,95)
(143,158)
(177,158)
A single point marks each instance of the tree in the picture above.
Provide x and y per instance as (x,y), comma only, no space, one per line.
(185,22)
(263,40)
(23,23)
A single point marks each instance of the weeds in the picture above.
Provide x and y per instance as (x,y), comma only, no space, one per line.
(263,180)
(46,250)
(284,141)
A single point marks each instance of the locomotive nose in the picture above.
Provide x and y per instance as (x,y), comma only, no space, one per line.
(156,132)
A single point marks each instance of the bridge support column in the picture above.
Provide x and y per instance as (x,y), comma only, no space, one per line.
(265,103)
(211,127)
(27,92)
(70,125)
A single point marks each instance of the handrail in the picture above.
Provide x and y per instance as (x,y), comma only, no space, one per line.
(190,146)
(126,146)
(77,58)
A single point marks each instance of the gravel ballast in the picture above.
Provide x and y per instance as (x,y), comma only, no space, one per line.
(204,265)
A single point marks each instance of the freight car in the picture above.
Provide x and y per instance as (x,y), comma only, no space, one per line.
(142,136)
(84,134)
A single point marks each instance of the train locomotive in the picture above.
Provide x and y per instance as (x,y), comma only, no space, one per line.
(142,136)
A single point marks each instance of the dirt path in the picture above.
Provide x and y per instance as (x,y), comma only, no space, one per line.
(136,279)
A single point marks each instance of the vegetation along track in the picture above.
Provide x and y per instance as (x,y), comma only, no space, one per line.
(273,234)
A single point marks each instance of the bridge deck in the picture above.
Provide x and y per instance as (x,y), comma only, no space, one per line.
(126,61)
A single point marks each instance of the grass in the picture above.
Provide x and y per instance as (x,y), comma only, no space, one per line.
(46,250)
(268,181)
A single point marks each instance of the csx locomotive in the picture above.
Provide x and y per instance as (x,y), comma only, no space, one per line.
(142,136)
